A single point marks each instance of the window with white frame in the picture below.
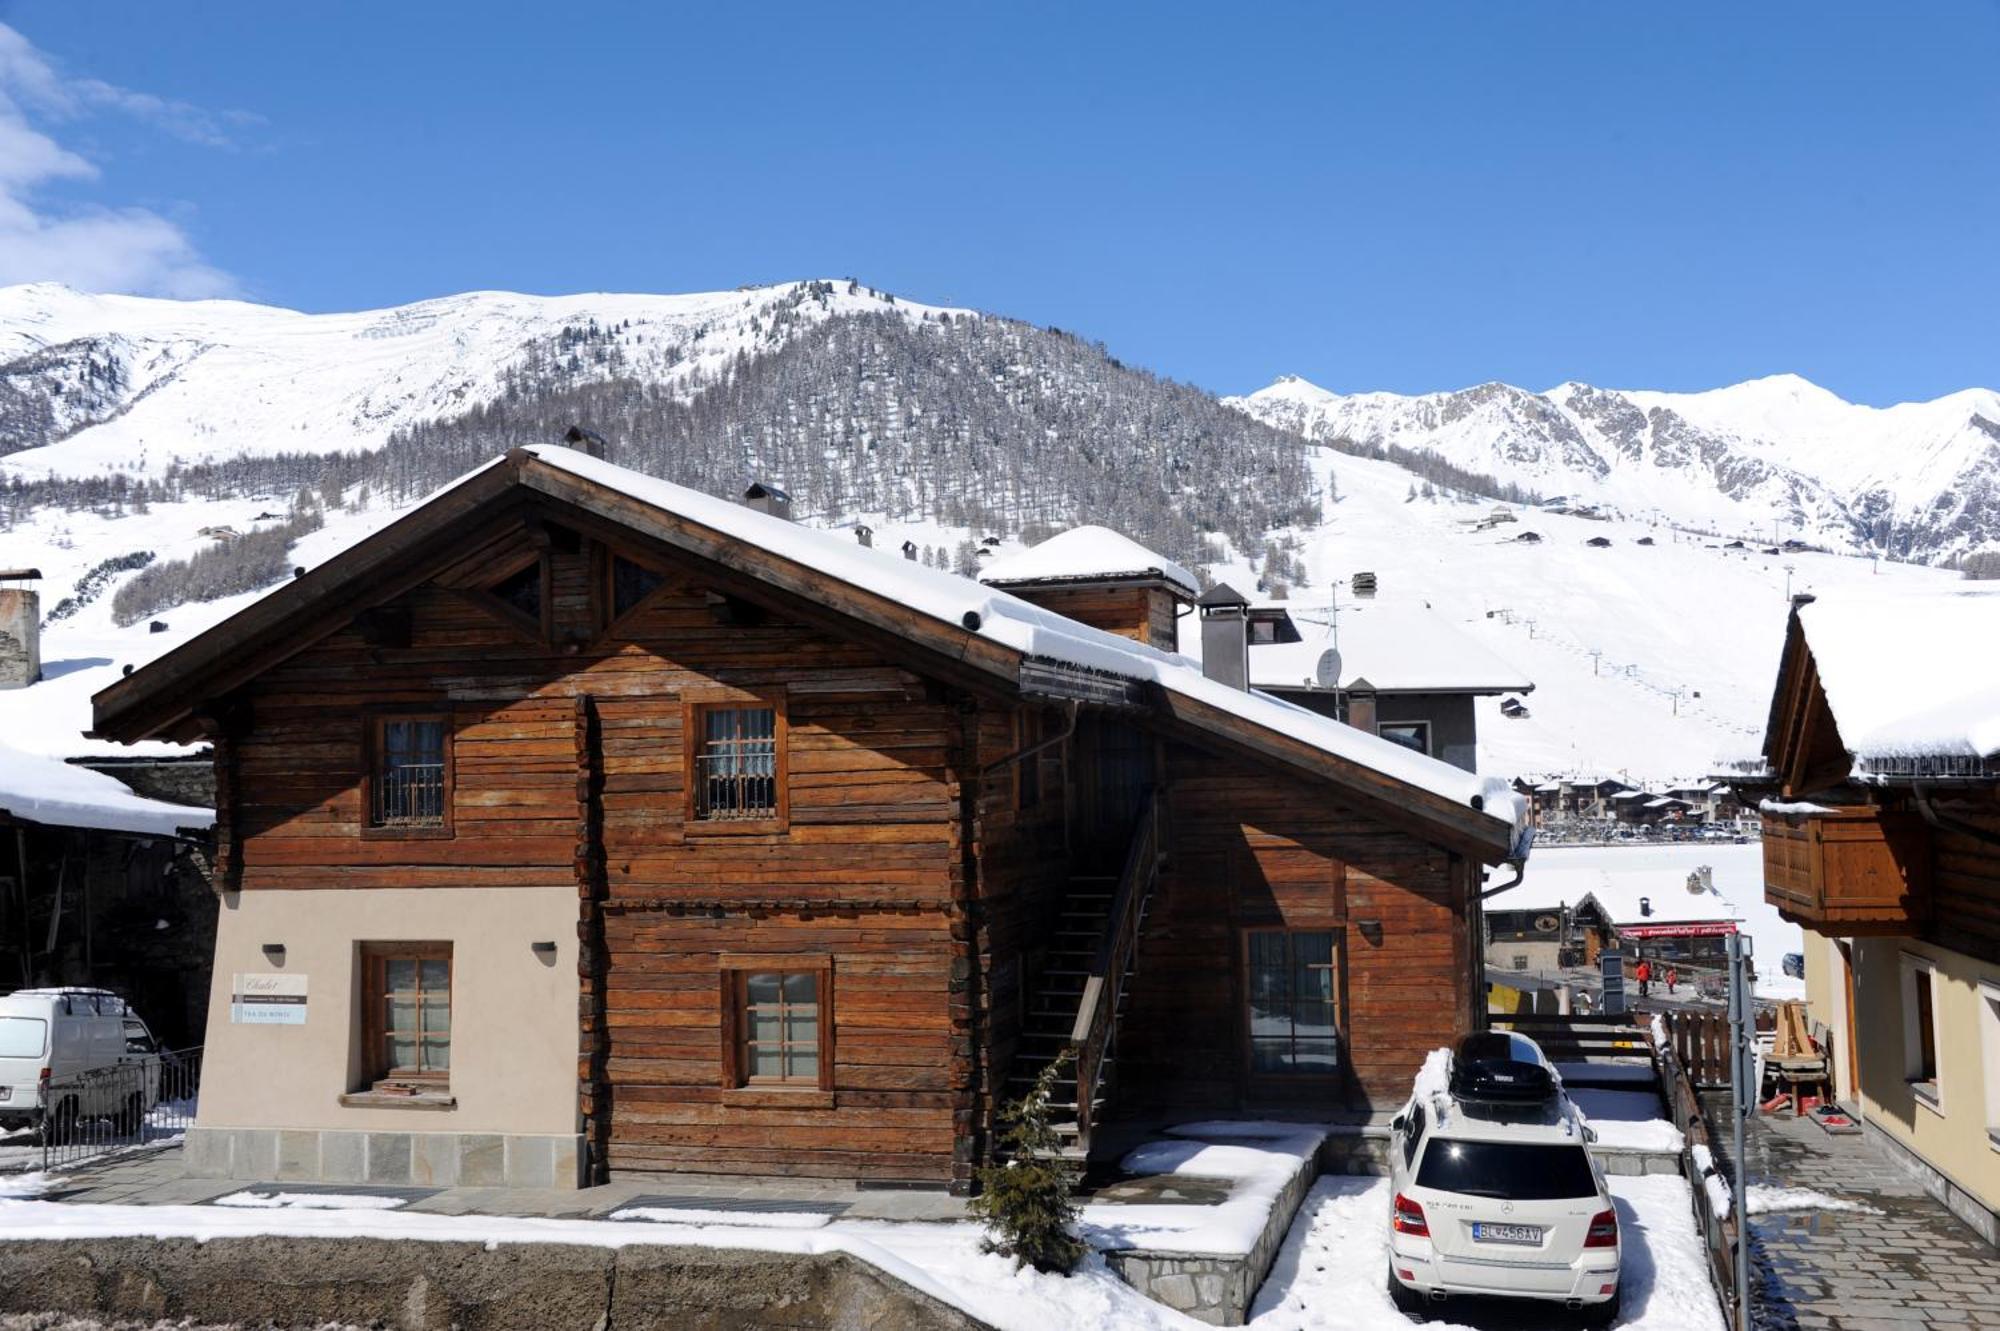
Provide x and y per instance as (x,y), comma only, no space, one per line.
(1989,1052)
(1920,1040)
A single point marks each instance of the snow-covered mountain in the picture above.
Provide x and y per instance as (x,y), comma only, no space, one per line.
(91,383)
(1778,458)
(134,430)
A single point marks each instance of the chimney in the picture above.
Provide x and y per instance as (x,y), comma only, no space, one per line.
(1225,636)
(909,549)
(768,499)
(1364,586)
(20,628)
(865,534)
(1361,709)
(588,442)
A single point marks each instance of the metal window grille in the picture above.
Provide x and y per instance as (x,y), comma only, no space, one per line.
(409,777)
(736,771)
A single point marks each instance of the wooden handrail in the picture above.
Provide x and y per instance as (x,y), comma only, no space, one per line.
(1097,1009)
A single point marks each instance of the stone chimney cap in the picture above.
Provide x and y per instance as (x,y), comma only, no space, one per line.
(765,490)
(588,442)
(1221,597)
(20,575)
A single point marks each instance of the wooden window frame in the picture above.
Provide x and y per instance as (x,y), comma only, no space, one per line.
(371,757)
(1337,962)
(541,629)
(1917,979)
(604,573)
(695,705)
(738,1086)
(378,1079)
(1426,750)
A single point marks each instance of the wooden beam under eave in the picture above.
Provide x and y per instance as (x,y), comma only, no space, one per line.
(1480,836)
(157,700)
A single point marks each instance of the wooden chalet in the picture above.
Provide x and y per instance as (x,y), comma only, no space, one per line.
(1881,834)
(579,822)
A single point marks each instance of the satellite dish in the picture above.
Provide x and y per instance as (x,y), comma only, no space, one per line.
(1327,673)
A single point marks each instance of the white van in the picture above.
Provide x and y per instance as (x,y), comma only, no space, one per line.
(1495,1191)
(83,1049)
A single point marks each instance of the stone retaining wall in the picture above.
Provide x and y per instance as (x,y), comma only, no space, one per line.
(428,1286)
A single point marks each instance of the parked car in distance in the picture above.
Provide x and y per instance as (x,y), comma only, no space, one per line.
(1494,1188)
(67,1055)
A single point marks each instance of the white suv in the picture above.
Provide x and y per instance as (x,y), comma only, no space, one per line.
(1494,1189)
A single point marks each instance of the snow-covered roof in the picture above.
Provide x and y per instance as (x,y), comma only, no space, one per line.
(1395,648)
(965,605)
(45,790)
(1082,554)
(1910,672)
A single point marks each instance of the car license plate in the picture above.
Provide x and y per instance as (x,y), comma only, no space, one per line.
(1485,1231)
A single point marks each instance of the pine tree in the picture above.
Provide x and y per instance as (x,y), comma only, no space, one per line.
(1026,1203)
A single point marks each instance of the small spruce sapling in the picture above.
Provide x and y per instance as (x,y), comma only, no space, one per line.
(1026,1203)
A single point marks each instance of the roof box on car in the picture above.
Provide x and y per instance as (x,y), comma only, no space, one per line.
(1501,1069)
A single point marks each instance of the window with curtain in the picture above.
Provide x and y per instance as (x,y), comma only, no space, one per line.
(409,1026)
(736,764)
(411,772)
(778,1027)
(1290,991)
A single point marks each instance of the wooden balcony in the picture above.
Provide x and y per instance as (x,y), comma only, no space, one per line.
(1854,870)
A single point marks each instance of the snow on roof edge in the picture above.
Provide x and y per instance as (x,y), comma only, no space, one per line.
(49,791)
(1032,630)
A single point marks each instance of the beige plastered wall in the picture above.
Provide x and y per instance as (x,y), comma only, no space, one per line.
(514,1010)
(1953,1137)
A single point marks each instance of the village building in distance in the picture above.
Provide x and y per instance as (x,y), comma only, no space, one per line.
(1881,816)
(580,822)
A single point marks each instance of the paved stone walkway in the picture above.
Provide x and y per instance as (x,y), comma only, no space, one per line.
(154,1178)
(1909,1264)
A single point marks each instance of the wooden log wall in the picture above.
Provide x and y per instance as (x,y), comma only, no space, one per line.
(1252,848)
(1965,876)
(570,771)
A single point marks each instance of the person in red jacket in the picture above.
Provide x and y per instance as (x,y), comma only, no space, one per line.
(1643,973)
(1673,977)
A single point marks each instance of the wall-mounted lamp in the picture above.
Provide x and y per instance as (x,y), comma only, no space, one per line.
(274,953)
(1371,930)
(546,949)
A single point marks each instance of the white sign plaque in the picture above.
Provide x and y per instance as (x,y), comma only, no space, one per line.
(267,1000)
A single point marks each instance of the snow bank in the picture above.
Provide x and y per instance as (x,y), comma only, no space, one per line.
(47,790)
(1909,672)
(308,1201)
(1259,1159)
(1088,552)
(678,1215)
(1628,1120)
(1769,1198)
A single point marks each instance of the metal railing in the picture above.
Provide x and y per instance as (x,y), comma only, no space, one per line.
(410,795)
(1097,1011)
(737,784)
(147,1101)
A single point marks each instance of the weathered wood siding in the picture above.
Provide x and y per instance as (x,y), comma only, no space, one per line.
(1252,848)
(869,872)
(1965,877)
(1145,614)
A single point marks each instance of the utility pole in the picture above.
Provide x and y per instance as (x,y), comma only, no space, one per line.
(1743,1092)
(1788,584)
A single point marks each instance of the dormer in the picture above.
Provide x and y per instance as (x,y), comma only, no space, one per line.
(1101,578)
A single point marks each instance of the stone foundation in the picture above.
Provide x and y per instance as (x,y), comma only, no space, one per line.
(1982,1218)
(423,1286)
(420,1159)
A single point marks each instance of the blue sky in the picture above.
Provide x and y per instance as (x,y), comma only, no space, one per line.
(1406,197)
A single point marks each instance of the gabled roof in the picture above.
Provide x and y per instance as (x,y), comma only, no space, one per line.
(1886,685)
(959,630)
(1395,648)
(1088,554)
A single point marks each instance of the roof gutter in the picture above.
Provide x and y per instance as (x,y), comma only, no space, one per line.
(1518,862)
(1945,823)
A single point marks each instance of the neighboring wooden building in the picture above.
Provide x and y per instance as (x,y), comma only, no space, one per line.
(1882,837)
(580,822)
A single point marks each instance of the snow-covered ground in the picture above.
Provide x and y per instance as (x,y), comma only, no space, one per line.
(1330,1273)
(1258,1159)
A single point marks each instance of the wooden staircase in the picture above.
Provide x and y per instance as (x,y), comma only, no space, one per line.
(1076,1006)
